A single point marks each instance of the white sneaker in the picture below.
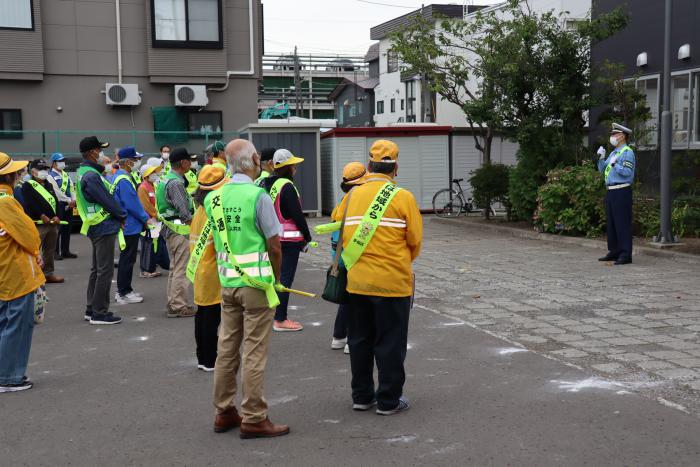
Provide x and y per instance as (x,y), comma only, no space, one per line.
(337,344)
(346,350)
(205,368)
(134,294)
(127,299)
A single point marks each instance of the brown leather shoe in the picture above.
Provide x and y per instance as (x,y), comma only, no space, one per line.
(227,420)
(264,429)
(54,279)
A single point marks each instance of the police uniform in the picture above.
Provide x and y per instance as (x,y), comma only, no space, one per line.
(618,169)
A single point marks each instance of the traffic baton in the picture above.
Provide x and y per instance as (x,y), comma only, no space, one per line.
(327,228)
(281,288)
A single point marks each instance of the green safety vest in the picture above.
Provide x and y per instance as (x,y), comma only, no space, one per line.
(135,178)
(277,188)
(192,183)
(90,213)
(120,178)
(368,225)
(65,182)
(263,175)
(166,212)
(166,169)
(241,250)
(608,168)
(44,194)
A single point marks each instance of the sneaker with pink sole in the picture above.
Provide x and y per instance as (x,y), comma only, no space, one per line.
(287,326)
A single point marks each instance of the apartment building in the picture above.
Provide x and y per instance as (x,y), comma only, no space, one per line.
(126,66)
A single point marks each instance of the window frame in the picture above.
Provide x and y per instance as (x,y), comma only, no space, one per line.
(392,104)
(656,121)
(33,26)
(392,56)
(689,137)
(380,107)
(187,43)
(12,134)
(201,112)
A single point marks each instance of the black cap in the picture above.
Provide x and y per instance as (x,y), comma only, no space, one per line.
(39,164)
(267,153)
(91,142)
(181,154)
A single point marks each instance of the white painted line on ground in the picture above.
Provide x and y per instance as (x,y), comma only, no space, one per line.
(511,350)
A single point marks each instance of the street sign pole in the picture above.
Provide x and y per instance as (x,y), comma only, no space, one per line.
(666,236)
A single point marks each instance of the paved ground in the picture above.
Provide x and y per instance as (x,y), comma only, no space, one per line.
(130,394)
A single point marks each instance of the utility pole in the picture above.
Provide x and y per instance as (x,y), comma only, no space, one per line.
(297,85)
(666,236)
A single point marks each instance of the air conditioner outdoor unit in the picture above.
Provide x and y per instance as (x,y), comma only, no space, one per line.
(191,95)
(122,94)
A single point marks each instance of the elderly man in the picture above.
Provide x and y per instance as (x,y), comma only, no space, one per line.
(383,236)
(246,238)
(618,170)
(102,218)
(175,210)
(41,205)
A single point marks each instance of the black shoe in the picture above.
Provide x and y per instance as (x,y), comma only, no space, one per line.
(87,316)
(70,255)
(608,257)
(364,407)
(57,257)
(105,318)
(23,386)
(622,261)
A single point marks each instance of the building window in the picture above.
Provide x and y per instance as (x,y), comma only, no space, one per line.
(380,107)
(392,62)
(393,105)
(207,122)
(411,101)
(680,109)
(402,104)
(10,123)
(649,87)
(186,23)
(16,14)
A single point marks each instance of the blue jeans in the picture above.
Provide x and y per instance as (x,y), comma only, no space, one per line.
(16,327)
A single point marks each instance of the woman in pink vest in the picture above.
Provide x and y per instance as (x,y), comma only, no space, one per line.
(295,232)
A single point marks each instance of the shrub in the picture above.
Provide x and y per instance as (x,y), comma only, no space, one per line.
(489,185)
(572,202)
(685,217)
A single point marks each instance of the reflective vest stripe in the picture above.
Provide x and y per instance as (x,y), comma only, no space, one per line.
(44,194)
(291,234)
(232,273)
(620,153)
(247,258)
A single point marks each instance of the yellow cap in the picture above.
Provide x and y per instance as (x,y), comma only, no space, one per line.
(283,158)
(8,166)
(384,150)
(353,173)
(211,177)
(149,169)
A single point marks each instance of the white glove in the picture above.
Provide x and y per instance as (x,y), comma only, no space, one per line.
(613,160)
(601,152)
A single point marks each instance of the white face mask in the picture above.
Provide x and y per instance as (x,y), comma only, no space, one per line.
(60,165)
(165,155)
(136,165)
(153,178)
(101,154)
(613,141)
(42,174)
(194,165)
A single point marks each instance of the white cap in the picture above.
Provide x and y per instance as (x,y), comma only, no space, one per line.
(154,161)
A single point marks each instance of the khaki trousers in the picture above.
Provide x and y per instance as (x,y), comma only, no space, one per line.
(245,319)
(178,285)
(49,236)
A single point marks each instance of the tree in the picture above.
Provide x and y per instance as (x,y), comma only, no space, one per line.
(523,74)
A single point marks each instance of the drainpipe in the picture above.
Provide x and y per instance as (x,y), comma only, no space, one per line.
(119,41)
(251,39)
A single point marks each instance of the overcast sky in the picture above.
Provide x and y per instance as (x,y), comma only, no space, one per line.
(332,26)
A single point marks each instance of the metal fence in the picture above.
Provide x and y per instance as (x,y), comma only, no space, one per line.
(29,144)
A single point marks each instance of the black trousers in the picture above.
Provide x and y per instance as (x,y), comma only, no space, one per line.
(151,259)
(101,274)
(618,209)
(378,331)
(127,259)
(63,243)
(290,261)
(206,327)
(340,327)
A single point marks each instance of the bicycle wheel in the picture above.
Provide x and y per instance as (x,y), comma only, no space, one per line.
(447,203)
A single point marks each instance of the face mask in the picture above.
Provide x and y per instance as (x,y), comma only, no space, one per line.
(165,155)
(136,165)
(613,141)
(153,178)
(101,154)
(27,177)
(195,165)
(42,174)
(60,165)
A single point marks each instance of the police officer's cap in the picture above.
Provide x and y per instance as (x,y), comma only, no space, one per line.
(617,128)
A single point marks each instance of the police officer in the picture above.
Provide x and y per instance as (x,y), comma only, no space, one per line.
(65,192)
(618,169)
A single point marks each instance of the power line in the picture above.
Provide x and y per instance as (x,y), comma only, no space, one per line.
(387,4)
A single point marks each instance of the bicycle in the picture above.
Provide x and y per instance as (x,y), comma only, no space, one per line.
(451,202)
